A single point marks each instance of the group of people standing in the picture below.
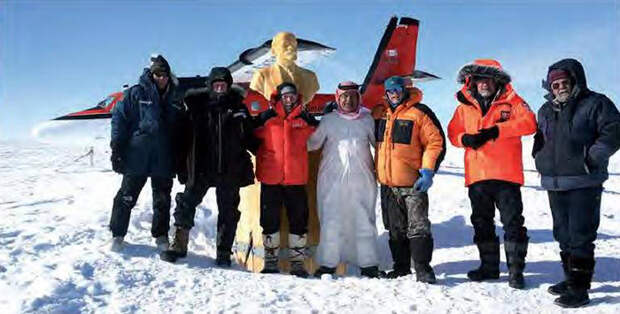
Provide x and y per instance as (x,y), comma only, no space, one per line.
(205,140)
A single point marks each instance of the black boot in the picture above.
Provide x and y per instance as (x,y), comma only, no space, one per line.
(515,258)
(580,276)
(223,258)
(561,287)
(324,270)
(402,258)
(372,272)
(489,261)
(422,253)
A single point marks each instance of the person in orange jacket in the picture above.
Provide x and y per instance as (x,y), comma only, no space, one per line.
(282,169)
(489,123)
(410,147)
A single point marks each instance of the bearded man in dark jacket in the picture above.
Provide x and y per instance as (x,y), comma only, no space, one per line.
(143,126)
(578,131)
(217,136)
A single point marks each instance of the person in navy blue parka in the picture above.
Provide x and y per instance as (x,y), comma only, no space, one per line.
(143,127)
(578,131)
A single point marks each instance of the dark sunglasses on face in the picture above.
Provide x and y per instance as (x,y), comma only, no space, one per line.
(160,74)
(394,91)
(563,83)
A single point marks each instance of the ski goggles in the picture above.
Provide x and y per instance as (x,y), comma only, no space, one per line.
(395,90)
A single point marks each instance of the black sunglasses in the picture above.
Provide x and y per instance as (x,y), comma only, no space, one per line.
(563,83)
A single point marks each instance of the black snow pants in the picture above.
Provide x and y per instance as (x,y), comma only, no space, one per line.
(295,201)
(127,197)
(576,217)
(227,198)
(484,197)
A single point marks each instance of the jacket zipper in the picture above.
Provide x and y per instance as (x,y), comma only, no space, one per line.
(555,149)
(585,159)
(219,143)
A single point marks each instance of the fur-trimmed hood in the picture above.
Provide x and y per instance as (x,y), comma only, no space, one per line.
(483,67)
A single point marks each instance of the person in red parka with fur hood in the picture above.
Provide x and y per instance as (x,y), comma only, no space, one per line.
(489,122)
(282,169)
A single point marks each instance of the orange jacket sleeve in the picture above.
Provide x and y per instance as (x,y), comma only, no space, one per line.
(431,140)
(524,122)
(456,128)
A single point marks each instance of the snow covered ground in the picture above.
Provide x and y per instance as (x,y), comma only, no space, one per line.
(54,254)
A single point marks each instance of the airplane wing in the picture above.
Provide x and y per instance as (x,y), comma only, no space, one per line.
(102,110)
(260,57)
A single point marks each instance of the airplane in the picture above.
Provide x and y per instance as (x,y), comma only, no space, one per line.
(395,55)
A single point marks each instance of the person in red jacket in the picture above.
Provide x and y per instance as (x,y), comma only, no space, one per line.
(489,122)
(282,169)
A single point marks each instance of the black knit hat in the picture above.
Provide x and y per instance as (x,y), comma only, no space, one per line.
(286,88)
(220,74)
(159,65)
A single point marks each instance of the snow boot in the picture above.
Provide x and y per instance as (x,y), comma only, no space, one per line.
(324,270)
(271,243)
(178,249)
(371,272)
(222,258)
(561,287)
(578,283)
(422,252)
(297,255)
(515,259)
(162,243)
(401,255)
(489,261)
(118,244)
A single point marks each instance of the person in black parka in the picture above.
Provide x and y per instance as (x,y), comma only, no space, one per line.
(578,131)
(143,126)
(214,153)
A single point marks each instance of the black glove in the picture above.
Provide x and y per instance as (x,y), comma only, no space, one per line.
(475,141)
(329,107)
(306,116)
(118,164)
(539,142)
(264,116)
(489,133)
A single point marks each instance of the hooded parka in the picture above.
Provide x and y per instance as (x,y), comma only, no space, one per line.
(499,159)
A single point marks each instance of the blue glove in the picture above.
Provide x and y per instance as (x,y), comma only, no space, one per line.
(425,180)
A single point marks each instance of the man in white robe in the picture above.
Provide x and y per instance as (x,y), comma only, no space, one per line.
(347,188)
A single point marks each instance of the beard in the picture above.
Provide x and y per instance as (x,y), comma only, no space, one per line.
(485,93)
(562,96)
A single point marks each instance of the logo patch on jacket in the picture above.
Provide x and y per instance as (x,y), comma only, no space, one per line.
(504,116)
(297,124)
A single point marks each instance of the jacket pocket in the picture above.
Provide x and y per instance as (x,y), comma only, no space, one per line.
(379,129)
(402,131)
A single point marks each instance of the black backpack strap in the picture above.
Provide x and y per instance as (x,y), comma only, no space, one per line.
(427,111)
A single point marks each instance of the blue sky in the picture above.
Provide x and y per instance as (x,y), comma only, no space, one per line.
(61,56)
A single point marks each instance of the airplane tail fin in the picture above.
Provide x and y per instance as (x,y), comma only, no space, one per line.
(396,55)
